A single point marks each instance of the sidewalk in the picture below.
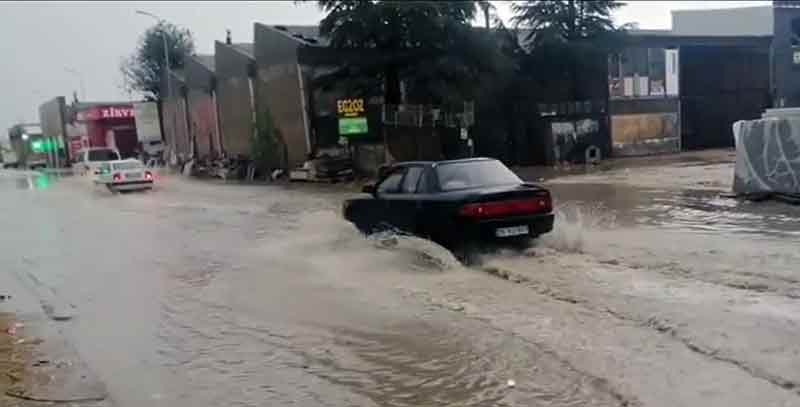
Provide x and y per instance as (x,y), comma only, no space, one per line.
(37,363)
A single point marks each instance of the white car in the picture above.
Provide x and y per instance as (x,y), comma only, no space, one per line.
(123,175)
(87,161)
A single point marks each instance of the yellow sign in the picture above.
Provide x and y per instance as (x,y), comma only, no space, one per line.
(350,107)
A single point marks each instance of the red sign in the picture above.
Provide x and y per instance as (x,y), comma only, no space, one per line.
(111,112)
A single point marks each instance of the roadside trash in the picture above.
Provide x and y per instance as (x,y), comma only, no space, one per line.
(511,383)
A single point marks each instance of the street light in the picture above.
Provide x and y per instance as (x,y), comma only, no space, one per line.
(166,51)
(80,79)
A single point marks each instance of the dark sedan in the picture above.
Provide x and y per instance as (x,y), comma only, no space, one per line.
(454,202)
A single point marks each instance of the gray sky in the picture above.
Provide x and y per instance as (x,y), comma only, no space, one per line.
(40,40)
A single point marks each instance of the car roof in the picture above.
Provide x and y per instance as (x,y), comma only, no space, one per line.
(435,163)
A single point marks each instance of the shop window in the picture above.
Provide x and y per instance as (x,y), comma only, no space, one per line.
(795,36)
(637,72)
(795,40)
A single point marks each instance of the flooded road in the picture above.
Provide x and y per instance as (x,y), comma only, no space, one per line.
(209,294)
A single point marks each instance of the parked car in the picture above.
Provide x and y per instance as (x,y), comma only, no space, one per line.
(455,203)
(88,160)
(123,175)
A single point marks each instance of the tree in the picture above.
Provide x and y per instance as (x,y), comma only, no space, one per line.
(143,71)
(487,8)
(400,39)
(564,21)
(567,36)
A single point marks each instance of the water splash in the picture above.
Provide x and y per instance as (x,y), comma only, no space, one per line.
(573,221)
(322,239)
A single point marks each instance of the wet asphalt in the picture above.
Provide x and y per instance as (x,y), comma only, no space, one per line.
(204,293)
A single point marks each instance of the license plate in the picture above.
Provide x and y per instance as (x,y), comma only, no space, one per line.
(133,175)
(512,231)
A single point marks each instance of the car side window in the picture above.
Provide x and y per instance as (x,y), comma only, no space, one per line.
(391,184)
(410,181)
(423,186)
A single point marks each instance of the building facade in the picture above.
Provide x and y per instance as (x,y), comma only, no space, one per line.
(235,99)
(202,107)
(681,89)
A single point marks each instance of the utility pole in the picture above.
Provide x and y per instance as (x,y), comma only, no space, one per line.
(169,79)
(166,49)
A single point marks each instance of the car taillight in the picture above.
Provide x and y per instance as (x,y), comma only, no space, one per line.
(148,176)
(117,177)
(487,210)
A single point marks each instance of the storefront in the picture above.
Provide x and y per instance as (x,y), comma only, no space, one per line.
(670,92)
(104,126)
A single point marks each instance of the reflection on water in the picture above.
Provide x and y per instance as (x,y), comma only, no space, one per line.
(33,180)
(610,206)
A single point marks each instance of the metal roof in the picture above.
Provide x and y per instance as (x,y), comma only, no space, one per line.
(246,48)
(206,60)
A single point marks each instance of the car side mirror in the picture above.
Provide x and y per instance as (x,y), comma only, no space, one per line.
(368,189)
(96,172)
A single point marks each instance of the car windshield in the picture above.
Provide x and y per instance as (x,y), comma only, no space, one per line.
(103,155)
(474,174)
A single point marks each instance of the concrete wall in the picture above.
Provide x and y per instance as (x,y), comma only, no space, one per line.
(278,89)
(202,122)
(368,157)
(233,68)
(174,117)
(177,134)
(721,22)
(202,112)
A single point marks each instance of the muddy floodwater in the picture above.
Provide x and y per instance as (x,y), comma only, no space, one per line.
(211,294)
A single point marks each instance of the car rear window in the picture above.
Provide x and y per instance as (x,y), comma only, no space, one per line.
(132,165)
(103,155)
(474,174)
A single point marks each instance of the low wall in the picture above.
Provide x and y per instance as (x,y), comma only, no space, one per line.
(368,157)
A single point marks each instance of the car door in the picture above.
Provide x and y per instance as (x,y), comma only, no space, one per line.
(371,214)
(403,204)
(385,194)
